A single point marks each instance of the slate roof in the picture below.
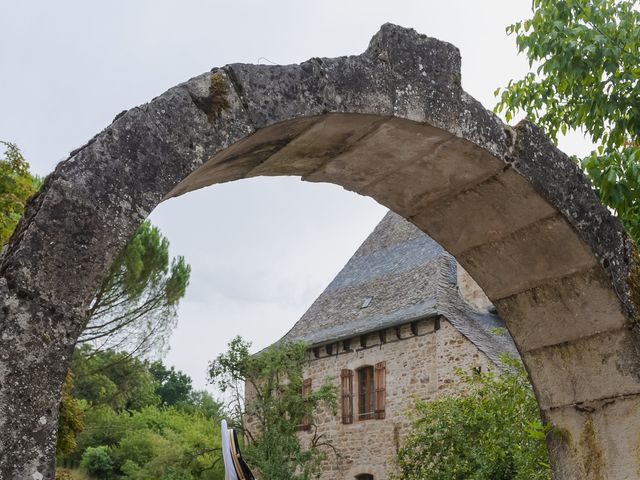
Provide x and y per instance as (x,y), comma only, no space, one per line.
(408,276)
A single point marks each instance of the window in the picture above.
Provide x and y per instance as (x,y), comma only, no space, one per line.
(366,393)
(364,476)
(370,392)
(306,391)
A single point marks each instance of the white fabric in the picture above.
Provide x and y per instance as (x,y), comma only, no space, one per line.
(229,469)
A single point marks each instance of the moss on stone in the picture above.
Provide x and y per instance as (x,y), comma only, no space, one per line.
(592,455)
(218,91)
(216,102)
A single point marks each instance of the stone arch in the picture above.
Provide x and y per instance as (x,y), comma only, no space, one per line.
(394,124)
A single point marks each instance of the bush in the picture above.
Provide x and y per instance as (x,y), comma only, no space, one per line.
(97,462)
(493,432)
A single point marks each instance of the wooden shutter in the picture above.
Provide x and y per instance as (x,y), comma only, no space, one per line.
(380,385)
(346,378)
(306,391)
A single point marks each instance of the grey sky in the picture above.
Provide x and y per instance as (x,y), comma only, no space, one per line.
(262,249)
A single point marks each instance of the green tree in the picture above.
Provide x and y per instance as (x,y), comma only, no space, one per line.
(17,184)
(493,432)
(271,409)
(153,443)
(586,55)
(170,444)
(174,387)
(144,440)
(103,426)
(113,378)
(70,418)
(203,402)
(135,308)
(97,462)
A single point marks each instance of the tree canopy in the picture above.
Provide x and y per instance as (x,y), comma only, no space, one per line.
(136,305)
(173,387)
(586,55)
(123,429)
(113,378)
(132,315)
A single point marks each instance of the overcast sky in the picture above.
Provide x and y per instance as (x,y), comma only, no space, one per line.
(261,250)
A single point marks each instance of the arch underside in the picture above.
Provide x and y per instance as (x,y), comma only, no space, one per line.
(393,124)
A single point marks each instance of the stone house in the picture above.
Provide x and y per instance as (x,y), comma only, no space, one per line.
(393,325)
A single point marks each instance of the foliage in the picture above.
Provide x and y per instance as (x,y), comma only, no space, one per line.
(587,57)
(493,432)
(123,382)
(173,387)
(204,403)
(144,438)
(172,444)
(70,418)
(113,378)
(97,462)
(158,443)
(135,307)
(103,426)
(272,408)
(17,184)
(135,312)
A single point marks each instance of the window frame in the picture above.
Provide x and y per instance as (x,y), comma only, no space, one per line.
(366,392)
(306,390)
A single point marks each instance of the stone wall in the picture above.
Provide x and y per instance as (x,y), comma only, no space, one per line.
(421,365)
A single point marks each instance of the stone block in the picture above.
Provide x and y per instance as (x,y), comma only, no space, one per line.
(327,138)
(527,258)
(504,203)
(598,367)
(562,310)
(598,443)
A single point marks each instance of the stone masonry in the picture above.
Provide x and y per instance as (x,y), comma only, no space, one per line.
(417,366)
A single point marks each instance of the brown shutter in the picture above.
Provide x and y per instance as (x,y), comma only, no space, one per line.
(380,385)
(306,391)
(346,378)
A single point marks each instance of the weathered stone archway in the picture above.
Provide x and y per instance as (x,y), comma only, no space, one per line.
(394,124)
